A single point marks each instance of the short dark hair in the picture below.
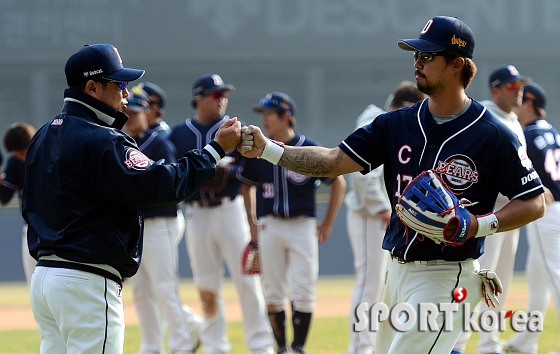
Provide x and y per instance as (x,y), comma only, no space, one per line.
(405,93)
(469,69)
(18,136)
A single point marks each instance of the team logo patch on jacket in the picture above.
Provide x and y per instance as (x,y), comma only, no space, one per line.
(136,160)
(459,172)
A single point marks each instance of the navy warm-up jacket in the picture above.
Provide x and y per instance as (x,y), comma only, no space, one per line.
(86,182)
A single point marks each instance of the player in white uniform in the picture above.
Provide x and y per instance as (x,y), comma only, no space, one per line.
(506,85)
(156,284)
(216,228)
(288,232)
(368,214)
(543,261)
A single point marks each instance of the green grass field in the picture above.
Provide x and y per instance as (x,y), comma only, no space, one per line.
(328,334)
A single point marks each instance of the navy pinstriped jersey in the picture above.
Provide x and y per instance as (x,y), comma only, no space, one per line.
(157,148)
(12,179)
(479,154)
(281,192)
(543,148)
(190,134)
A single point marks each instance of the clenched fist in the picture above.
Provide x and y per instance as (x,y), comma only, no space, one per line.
(229,134)
(252,141)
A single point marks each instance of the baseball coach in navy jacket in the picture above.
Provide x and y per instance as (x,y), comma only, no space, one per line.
(85,185)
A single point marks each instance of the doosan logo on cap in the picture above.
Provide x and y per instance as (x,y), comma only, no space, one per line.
(98,61)
(442,33)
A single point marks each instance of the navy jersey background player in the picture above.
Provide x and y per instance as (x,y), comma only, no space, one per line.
(293,194)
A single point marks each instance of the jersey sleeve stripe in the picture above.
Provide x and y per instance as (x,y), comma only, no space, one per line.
(357,157)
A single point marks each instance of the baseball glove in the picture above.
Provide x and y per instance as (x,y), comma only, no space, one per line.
(250,261)
(428,207)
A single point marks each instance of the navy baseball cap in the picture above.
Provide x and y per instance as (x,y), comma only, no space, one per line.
(95,61)
(155,93)
(277,101)
(442,33)
(138,100)
(535,93)
(505,74)
(210,83)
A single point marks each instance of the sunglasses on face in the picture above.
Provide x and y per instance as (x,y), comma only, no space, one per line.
(425,57)
(217,95)
(514,85)
(121,84)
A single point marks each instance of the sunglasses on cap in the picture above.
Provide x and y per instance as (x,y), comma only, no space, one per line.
(513,85)
(425,57)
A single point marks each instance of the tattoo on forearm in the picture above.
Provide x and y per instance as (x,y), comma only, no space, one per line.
(310,161)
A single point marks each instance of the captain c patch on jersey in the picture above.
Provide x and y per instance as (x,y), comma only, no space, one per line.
(458,171)
(136,160)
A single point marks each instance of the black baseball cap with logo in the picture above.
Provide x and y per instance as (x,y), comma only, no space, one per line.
(96,61)
(442,33)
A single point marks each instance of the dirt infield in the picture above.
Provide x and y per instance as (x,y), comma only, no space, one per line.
(333,300)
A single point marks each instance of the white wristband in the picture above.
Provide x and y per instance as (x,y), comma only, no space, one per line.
(213,152)
(272,151)
(487,225)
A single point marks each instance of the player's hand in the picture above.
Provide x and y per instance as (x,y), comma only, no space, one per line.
(385,217)
(548,197)
(252,141)
(323,231)
(229,134)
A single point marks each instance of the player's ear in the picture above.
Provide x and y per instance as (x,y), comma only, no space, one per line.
(90,88)
(459,63)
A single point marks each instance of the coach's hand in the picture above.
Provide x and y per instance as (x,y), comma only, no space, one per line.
(229,134)
(252,141)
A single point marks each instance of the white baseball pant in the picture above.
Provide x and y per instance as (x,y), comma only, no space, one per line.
(365,233)
(156,288)
(77,312)
(542,272)
(215,235)
(290,261)
(421,282)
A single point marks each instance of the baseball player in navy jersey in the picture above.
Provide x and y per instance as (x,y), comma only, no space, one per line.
(156,111)
(288,232)
(16,141)
(475,155)
(367,217)
(506,85)
(156,284)
(216,227)
(85,185)
(543,235)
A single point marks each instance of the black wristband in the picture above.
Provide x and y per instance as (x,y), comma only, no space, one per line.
(218,148)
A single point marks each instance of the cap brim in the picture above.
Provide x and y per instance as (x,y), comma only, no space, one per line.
(126,75)
(421,45)
(258,108)
(228,88)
